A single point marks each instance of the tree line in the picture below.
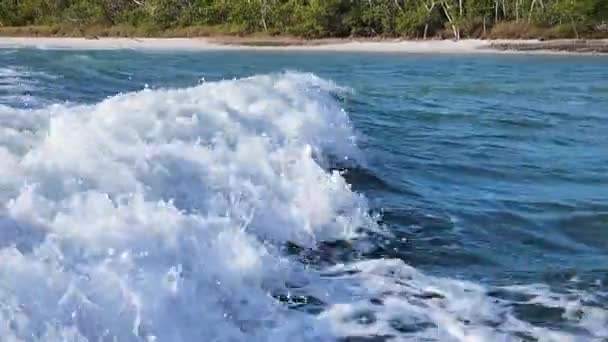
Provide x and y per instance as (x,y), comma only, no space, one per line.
(320,18)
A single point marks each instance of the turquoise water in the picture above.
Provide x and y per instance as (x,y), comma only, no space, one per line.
(233,196)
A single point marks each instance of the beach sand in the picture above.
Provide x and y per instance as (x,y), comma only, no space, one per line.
(467,46)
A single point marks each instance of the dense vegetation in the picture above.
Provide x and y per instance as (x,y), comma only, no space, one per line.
(310,18)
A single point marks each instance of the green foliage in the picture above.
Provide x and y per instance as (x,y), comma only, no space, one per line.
(379,18)
(7,14)
(316,19)
(312,18)
(83,13)
(411,24)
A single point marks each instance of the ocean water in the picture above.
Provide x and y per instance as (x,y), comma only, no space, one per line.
(257,196)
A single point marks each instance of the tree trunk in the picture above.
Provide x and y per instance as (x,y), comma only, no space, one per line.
(429,10)
(264,24)
(263,14)
(574,27)
(398,6)
(531,11)
(451,21)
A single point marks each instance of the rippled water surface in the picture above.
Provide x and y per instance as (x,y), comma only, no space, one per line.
(243,196)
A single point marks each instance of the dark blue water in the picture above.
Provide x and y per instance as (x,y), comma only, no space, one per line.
(491,169)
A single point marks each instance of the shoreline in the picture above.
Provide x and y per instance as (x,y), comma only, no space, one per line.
(465,46)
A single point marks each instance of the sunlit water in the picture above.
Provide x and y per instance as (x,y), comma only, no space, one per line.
(303,197)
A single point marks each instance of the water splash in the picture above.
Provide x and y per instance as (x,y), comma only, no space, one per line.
(163,215)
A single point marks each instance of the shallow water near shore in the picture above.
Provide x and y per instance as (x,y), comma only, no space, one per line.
(266,196)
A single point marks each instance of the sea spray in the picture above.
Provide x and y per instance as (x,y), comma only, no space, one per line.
(165,215)
(160,214)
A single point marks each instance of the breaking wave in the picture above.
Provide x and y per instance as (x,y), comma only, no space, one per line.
(188,215)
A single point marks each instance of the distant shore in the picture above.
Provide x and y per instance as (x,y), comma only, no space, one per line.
(470,46)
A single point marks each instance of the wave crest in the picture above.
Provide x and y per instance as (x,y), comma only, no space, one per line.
(201,214)
(160,214)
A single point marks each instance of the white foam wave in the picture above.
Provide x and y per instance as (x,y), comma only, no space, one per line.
(162,215)
(388,298)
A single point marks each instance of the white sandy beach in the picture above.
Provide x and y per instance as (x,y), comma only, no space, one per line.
(437,46)
(466,46)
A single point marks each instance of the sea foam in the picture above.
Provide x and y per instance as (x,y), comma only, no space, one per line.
(164,215)
(160,214)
